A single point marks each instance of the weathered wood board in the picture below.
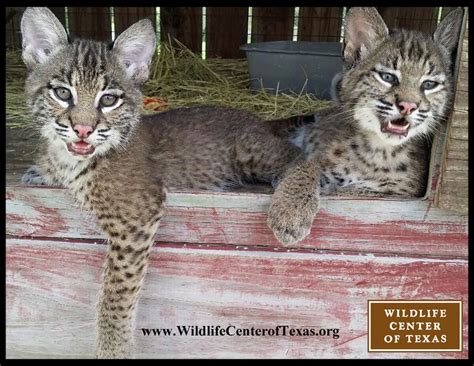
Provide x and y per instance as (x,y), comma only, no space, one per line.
(52,286)
(454,188)
(376,225)
(421,18)
(216,263)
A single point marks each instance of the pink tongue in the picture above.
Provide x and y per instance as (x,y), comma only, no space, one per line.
(81,144)
(396,128)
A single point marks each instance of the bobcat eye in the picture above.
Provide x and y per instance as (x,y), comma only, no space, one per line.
(108,100)
(63,93)
(389,78)
(428,84)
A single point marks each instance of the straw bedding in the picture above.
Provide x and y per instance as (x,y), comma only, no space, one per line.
(180,78)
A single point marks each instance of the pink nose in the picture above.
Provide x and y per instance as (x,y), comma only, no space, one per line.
(407,107)
(83,131)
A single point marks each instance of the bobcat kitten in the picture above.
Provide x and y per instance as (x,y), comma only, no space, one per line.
(393,94)
(85,96)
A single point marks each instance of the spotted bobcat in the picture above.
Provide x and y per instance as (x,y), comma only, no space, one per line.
(85,97)
(394,92)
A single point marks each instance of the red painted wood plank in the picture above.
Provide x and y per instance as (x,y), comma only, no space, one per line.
(411,227)
(50,308)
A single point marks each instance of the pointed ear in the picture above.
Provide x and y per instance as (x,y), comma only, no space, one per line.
(42,35)
(447,32)
(135,48)
(364,28)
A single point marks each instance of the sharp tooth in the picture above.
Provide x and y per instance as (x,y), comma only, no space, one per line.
(397,126)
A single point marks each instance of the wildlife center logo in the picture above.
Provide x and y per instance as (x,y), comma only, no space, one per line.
(396,326)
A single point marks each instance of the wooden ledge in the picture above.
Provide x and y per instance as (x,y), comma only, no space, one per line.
(345,224)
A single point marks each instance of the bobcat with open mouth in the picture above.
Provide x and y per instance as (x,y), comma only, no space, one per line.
(86,98)
(393,94)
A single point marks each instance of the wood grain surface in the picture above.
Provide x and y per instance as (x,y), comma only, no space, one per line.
(52,287)
(377,225)
(226,31)
(183,23)
(453,193)
(272,23)
(216,263)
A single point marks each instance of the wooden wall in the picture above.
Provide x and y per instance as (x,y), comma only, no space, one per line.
(225,28)
(453,191)
(215,262)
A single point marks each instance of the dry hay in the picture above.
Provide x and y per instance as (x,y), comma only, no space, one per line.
(182,79)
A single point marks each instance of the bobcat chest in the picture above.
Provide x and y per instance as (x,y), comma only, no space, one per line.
(361,163)
(73,174)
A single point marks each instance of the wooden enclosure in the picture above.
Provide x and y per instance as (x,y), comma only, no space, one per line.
(223,29)
(214,261)
(454,188)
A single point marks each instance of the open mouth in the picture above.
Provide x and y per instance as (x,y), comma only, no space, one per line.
(396,127)
(80,148)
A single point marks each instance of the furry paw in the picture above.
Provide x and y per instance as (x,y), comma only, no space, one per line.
(33,176)
(290,224)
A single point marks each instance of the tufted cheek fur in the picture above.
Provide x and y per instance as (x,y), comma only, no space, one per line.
(414,57)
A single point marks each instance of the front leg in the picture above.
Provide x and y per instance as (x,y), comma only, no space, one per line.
(130,220)
(295,203)
(35,176)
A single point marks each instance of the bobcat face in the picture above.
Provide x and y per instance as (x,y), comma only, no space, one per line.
(84,103)
(398,85)
(84,94)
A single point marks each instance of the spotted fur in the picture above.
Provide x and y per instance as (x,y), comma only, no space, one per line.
(125,161)
(349,142)
(118,163)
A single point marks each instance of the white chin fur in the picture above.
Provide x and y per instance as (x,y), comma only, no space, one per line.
(394,139)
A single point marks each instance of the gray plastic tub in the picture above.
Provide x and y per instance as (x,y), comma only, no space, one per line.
(294,66)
